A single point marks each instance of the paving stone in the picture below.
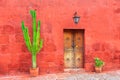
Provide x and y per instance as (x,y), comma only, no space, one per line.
(113,75)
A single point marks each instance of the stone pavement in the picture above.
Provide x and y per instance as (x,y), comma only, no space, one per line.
(111,75)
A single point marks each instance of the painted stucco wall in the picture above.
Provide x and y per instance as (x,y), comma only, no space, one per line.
(99,18)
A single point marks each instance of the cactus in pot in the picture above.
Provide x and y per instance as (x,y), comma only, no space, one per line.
(36,44)
(98,64)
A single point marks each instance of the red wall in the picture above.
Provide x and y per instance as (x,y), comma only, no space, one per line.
(99,18)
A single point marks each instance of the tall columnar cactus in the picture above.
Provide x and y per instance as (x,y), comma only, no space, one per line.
(35,46)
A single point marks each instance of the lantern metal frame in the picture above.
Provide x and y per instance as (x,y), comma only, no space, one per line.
(76,18)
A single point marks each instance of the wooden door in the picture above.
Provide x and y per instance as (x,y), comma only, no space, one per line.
(78,49)
(73,48)
(68,49)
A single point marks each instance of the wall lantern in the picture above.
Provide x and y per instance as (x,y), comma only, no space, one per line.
(76,18)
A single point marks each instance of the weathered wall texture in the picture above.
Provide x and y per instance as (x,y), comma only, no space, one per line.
(99,18)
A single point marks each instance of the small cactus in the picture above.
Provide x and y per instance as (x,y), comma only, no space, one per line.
(98,62)
(37,43)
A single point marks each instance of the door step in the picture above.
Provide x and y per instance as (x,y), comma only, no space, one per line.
(74,70)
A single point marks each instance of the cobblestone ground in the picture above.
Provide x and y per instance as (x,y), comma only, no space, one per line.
(112,75)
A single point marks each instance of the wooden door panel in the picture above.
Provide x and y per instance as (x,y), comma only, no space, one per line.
(68,39)
(78,39)
(68,49)
(78,49)
(69,58)
(78,58)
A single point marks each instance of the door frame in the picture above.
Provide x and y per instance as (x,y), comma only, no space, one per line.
(82,30)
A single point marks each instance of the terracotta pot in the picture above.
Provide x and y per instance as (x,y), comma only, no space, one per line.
(34,72)
(98,69)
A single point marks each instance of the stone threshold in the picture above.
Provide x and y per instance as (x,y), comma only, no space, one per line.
(69,70)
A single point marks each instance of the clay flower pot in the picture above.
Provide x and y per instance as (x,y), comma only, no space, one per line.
(98,65)
(98,69)
(34,72)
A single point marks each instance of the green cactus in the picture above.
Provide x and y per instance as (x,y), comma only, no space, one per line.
(37,43)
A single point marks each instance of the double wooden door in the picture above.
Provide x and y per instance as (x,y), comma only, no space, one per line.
(73,48)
